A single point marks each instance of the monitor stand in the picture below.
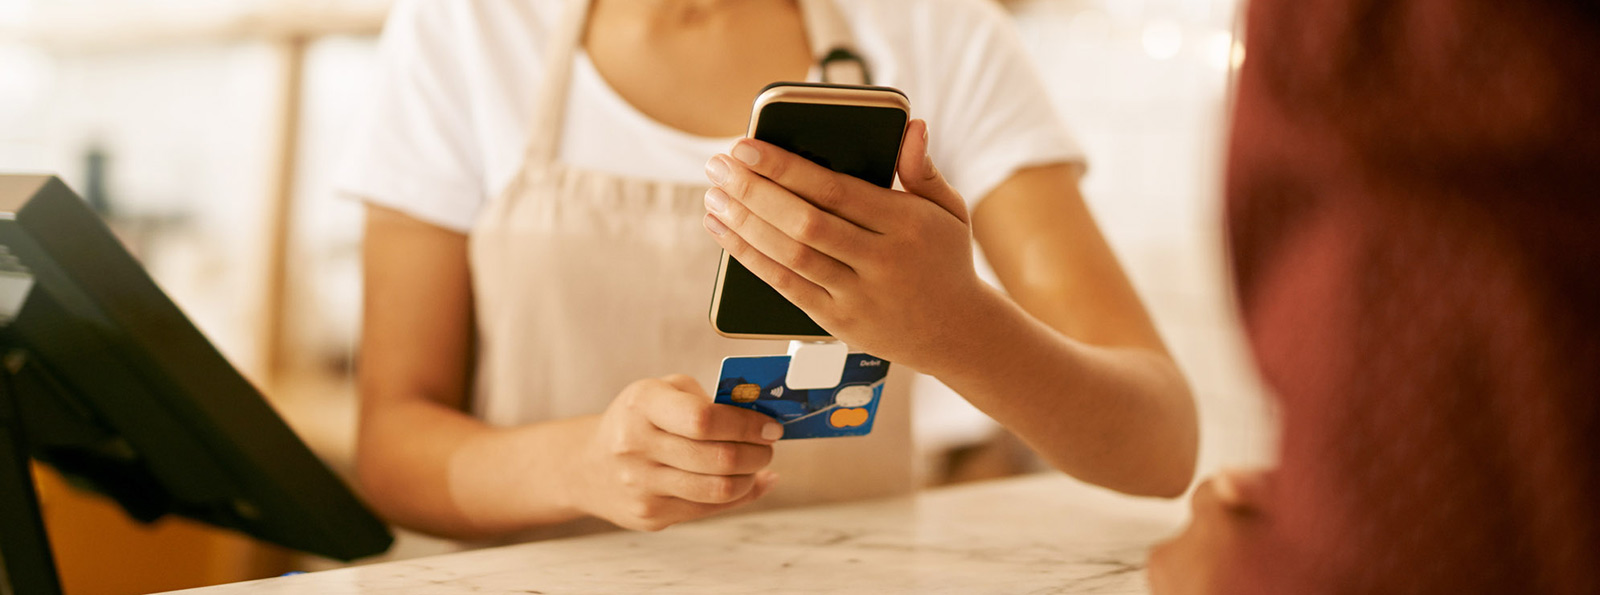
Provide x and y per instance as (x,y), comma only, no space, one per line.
(26,565)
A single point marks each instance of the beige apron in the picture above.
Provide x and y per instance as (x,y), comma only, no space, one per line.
(586,281)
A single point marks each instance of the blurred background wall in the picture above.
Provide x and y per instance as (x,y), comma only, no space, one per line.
(208,130)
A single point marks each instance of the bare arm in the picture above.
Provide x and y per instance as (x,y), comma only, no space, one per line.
(1093,390)
(423,462)
(659,455)
(1073,366)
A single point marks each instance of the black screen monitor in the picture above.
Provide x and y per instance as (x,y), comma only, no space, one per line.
(104,379)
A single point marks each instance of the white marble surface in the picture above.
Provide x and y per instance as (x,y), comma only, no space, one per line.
(1035,534)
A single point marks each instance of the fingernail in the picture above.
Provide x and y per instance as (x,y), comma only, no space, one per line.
(771,431)
(716,170)
(714,226)
(927,151)
(717,201)
(746,153)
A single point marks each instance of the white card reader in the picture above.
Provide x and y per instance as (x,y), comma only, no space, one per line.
(815,364)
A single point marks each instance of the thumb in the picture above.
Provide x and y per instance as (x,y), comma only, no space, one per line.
(918,175)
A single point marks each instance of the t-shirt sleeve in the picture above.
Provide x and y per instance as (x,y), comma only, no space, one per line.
(994,116)
(413,147)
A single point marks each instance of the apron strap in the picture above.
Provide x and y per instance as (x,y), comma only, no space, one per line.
(550,107)
(832,44)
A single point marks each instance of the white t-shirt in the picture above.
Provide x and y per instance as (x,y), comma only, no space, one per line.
(457,81)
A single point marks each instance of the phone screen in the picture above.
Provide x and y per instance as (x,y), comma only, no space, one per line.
(857,140)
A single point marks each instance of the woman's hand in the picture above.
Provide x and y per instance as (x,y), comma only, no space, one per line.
(1223,508)
(664,453)
(886,271)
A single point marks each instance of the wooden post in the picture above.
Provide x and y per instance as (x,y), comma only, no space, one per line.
(275,336)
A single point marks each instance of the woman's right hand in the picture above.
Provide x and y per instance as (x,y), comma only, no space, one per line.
(664,453)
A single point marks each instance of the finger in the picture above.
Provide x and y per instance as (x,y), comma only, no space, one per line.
(788,212)
(761,486)
(843,195)
(699,487)
(1156,568)
(1204,498)
(665,511)
(696,418)
(1171,568)
(709,457)
(811,263)
(803,292)
(919,176)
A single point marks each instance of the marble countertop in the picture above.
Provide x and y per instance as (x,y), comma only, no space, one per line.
(1034,534)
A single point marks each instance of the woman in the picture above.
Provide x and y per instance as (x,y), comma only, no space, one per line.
(562,282)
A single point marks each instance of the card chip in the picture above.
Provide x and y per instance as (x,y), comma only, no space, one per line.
(746,393)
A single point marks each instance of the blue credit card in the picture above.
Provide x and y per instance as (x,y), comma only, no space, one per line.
(848,409)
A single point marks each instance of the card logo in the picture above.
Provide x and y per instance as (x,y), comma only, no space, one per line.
(848,418)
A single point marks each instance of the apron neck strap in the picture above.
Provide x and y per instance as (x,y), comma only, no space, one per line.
(826,30)
(550,103)
(832,45)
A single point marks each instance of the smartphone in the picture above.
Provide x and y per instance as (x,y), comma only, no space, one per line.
(851,129)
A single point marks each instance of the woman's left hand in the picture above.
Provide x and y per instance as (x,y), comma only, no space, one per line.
(883,270)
